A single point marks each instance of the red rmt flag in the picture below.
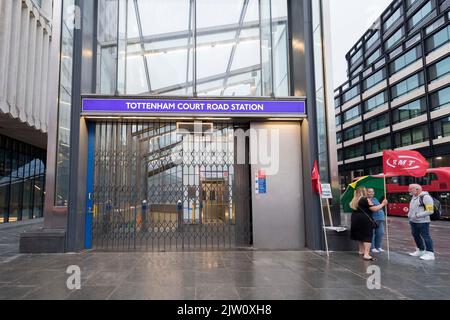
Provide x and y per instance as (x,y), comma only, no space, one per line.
(315,179)
(404,163)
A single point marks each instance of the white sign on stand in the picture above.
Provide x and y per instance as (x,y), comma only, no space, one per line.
(326,191)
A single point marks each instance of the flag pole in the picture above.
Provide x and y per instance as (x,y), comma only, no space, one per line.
(323,227)
(329,213)
(387,224)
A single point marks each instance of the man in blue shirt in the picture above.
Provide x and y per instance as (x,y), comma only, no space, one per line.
(379,216)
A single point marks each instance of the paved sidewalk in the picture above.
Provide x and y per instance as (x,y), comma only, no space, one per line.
(10,234)
(230,275)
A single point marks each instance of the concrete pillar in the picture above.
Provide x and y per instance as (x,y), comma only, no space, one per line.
(13,66)
(44,82)
(36,97)
(30,71)
(5,39)
(23,64)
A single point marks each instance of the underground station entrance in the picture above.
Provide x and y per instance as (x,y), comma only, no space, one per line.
(175,174)
(167,186)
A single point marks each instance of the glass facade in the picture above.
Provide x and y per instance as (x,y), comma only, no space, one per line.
(206,48)
(320,86)
(65,104)
(187,48)
(22,180)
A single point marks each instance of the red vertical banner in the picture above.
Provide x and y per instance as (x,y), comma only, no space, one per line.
(315,179)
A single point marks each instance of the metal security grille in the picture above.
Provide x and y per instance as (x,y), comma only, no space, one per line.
(167,186)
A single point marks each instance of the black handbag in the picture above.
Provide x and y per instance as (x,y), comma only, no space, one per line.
(375,224)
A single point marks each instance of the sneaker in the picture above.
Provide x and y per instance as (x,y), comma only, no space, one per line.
(380,250)
(418,253)
(375,251)
(428,256)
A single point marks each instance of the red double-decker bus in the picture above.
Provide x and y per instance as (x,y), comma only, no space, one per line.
(436,182)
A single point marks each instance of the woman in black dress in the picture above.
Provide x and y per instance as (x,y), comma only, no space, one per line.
(362,226)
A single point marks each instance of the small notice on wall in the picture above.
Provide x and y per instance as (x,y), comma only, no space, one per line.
(261,182)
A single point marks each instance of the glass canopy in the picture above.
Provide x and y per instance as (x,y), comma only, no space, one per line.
(193,48)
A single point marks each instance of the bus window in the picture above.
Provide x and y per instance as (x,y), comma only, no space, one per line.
(399,198)
(404,198)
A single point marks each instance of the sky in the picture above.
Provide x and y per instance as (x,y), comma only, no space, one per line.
(346,32)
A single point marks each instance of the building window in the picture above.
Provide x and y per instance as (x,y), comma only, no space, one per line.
(420,15)
(38,3)
(408,85)
(377,123)
(394,39)
(22,180)
(354,59)
(411,136)
(338,120)
(441,128)
(374,38)
(375,102)
(409,111)
(404,60)
(350,94)
(435,25)
(355,72)
(438,39)
(340,155)
(439,69)
(373,57)
(413,40)
(353,132)
(337,102)
(378,145)
(354,151)
(374,79)
(352,114)
(339,137)
(392,19)
(440,99)
(410,3)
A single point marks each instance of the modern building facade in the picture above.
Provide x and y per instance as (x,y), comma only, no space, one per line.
(398,93)
(26,69)
(189,125)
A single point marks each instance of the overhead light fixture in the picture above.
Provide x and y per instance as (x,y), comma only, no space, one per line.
(212,119)
(285,119)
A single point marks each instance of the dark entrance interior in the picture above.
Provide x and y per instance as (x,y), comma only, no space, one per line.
(167,186)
